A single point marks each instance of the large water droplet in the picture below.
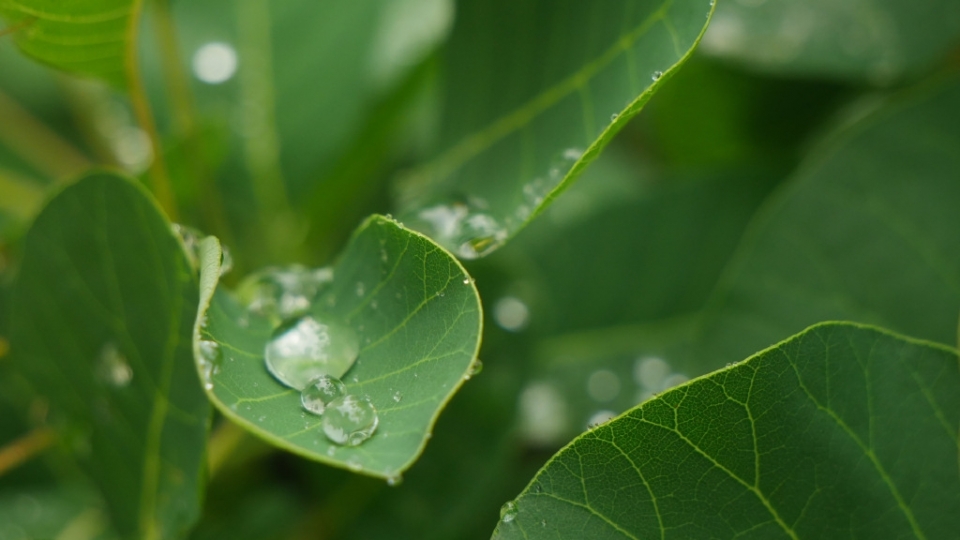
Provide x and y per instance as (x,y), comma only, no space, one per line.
(112,366)
(301,350)
(350,420)
(282,293)
(509,511)
(321,392)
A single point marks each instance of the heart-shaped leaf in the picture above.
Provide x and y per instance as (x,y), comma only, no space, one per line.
(87,37)
(842,431)
(103,312)
(526,112)
(418,319)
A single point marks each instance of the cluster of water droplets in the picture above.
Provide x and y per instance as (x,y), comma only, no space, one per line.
(310,351)
(466,228)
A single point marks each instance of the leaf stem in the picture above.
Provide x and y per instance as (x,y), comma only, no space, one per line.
(37,144)
(223,441)
(159,177)
(25,448)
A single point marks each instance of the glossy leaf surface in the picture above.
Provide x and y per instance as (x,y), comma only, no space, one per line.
(418,318)
(102,317)
(526,113)
(842,431)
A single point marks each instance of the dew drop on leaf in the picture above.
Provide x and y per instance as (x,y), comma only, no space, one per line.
(112,367)
(303,349)
(509,511)
(321,391)
(350,420)
(656,75)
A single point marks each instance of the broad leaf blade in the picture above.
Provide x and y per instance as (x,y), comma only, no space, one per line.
(102,317)
(535,90)
(865,232)
(87,37)
(840,431)
(418,317)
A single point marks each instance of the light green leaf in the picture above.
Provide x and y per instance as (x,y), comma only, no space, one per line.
(418,319)
(87,37)
(102,316)
(864,232)
(534,91)
(874,40)
(842,431)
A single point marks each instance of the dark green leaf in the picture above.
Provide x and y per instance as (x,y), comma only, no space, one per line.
(866,231)
(418,318)
(530,108)
(843,431)
(102,317)
(87,37)
(874,40)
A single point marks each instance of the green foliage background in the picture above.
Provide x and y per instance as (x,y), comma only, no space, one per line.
(709,248)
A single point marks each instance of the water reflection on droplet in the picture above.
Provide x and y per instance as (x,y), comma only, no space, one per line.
(210,359)
(215,62)
(282,293)
(112,366)
(303,349)
(656,75)
(321,392)
(603,385)
(509,511)
(350,420)
(511,314)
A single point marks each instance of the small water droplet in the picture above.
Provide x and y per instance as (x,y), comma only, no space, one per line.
(354,464)
(543,523)
(656,75)
(262,417)
(331,450)
(350,420)
(394,480)
(373,304)
(397,396)
(303,349)
(613,117)
(283,293)
(475,368)
(321,392)
(509,511)
(466,281)
(360,288)
(113,367)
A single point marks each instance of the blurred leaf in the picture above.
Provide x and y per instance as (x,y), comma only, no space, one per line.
(864,232)
(418,318)
(872,40)
(102,317)
(86,37)
(534,91)
(61,512)
(840,431)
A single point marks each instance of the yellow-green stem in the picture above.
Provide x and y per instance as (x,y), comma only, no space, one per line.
(25,447)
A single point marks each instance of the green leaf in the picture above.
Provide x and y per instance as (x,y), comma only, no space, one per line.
(841,431)
(863,232)
(87,37)
(534,91)
(102,317)
(53,512)
(873,40)
(418,318)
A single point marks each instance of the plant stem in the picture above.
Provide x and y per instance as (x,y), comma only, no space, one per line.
(25,448)
(159,177)
(37,144)
(223,441)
